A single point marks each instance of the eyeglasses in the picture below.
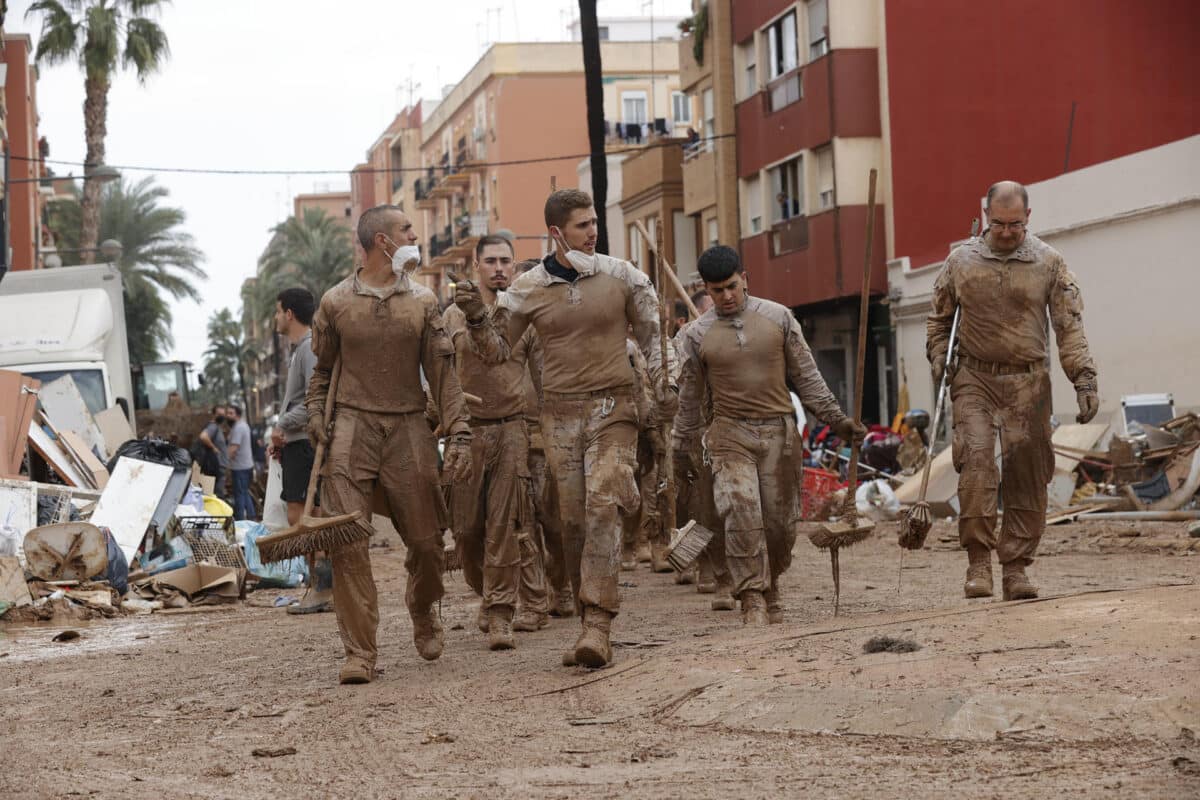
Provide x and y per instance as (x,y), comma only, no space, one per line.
(1019,225)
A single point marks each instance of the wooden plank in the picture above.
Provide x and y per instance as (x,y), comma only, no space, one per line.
(18,399)
(67,411)
(129,501)
(114,428)
(59,461)
(86,458)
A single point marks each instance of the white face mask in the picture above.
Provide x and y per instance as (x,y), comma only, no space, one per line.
(405,259)
(577,259)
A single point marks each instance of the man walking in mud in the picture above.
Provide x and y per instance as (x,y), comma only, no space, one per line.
(580,302)
(1009,287)
(492,510)
(742,355)
(382,330)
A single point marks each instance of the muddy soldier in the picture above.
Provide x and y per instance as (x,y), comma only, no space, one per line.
(384,329)
(579,302)
(1004,281)
(492,510)
(739,358)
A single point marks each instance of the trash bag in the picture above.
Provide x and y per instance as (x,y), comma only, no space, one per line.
(156,451)
(876,500)
(48,509)
(117,573)
(280,574)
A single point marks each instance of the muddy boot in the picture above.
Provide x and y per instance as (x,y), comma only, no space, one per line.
(774,607)
(979,572)
(723,598)
(592,648)
(319,596)
(643,552)
(1017,585)
(706,582)
(686,577)
(754,609)
(356,671)
(658,558)
(528,621)
(427,633)
(568,658)
(500,628)
(481,618)
(629,558)
(564,605)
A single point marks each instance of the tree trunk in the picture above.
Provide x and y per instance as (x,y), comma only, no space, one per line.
(95,123)
(594,92)
(241,373)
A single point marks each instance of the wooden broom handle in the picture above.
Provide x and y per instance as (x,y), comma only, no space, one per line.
(860,365)
(319,457)
(671,276)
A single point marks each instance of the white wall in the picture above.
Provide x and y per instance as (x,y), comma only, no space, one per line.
(614,215)
(1130,230)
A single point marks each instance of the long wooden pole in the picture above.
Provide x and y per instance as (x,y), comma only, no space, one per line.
(671,276)
(666,462)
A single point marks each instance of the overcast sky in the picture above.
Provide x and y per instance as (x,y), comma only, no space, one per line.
(281,85)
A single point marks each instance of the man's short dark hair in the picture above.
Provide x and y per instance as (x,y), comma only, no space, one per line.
(698,297)
(490,239)
(214,410)
(681,309)
(561,203)
(235,409)
(374,221)
(299,301)
(996,188)
(719,263)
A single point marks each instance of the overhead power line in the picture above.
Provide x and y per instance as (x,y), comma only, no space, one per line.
(369,170)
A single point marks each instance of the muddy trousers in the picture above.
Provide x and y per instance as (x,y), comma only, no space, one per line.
(644,524)
(397,452)
(549,530)
(1017,408)
(756,466)
(694,500)
(491,508)
(591,442)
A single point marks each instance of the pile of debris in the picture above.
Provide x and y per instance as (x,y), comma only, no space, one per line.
(141,533)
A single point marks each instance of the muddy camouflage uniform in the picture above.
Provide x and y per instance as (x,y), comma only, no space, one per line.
(643,525)
(492,510)
(384,338)
(1002,385)
(736,374)
(589,417)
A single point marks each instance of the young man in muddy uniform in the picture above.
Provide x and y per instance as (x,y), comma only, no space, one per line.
(492,510)
(739,358)
(381,329)
(580,302)
(1004,281)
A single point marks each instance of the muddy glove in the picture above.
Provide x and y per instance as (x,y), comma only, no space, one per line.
(317,433)
(848,430)
(937,367)
(666,401)
(468,298)
(1089,402)
(456,464)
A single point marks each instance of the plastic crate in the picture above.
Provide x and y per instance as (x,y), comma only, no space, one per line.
(815,490)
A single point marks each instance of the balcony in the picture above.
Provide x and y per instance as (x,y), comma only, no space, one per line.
(788,88)
(789,235)
(699,178)
(691,71)
(421,189)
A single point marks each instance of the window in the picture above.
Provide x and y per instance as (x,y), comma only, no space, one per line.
(781,46)
(634,238)
(752,202)
(749,59)
(818,28)
(710,127)
(681,108)
(685,246)
(825,177)
(787,192)
(602,30)
(713,232)
(633,107)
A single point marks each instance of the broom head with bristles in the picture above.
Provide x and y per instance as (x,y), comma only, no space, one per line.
(311,534)
(915,525)
(846,532)
(686,545)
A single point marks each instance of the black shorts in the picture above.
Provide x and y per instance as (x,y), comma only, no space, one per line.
(297,460)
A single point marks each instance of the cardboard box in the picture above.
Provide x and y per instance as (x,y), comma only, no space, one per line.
(197,579)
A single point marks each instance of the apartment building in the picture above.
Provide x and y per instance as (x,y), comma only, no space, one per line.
(26,184)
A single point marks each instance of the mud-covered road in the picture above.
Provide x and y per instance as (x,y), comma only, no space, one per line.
(1089,692)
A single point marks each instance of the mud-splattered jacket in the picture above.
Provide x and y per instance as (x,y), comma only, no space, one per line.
(384,339)
(504,389)
(1004,302)
(740,366)
(581,325)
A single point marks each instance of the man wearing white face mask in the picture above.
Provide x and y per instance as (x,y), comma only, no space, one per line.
(580,302)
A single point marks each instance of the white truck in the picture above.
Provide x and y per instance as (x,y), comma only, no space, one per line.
(69,320)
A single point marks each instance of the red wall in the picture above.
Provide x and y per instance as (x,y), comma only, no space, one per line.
(982,92)
(22,141)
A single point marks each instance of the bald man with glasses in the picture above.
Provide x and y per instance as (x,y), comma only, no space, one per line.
(1010,287)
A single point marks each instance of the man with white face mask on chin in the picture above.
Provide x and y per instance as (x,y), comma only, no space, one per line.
(579,302)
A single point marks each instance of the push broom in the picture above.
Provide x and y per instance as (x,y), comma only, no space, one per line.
(850,530)
(311,533)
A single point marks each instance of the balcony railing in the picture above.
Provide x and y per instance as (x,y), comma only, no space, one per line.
(788,235)
(785,90)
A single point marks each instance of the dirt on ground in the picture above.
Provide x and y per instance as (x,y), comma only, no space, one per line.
(1089,691)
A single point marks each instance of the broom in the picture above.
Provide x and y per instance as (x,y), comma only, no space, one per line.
(849,529)
(315,533)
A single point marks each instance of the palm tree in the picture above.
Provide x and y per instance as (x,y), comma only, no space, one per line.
(92,31)
(314,251)
(158,257)
(226,355)
(589,32)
